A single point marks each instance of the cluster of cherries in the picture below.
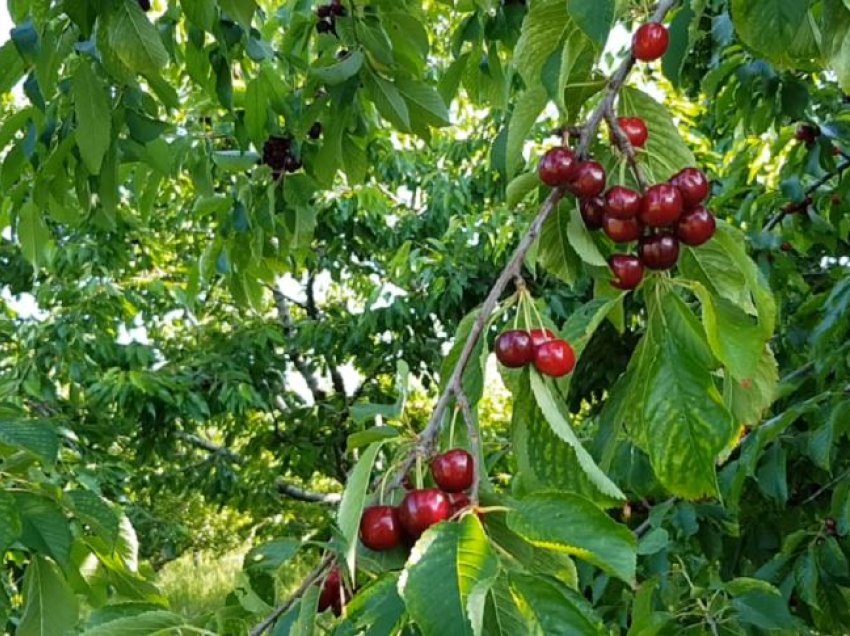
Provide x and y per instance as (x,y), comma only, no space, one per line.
(327,14)
(660,218)
(385,528)
(551,356)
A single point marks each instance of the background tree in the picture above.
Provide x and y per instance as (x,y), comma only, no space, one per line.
(252,240)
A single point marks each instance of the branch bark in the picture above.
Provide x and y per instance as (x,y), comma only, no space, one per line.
(298,361)
(301,494)
(793,208)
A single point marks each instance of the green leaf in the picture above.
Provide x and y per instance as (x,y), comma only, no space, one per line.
(354,159)
(748,399)
(155,623)
(665,152)
(375,610)
(50,606)
(555,253)
(94,118)
(528,107)
(35,437)
(581,238)
(759,603)
(555,609)
(256,110)
(680,43)
(543,29)
(563,430)
(370,435)
(45,528)
(777,30)
(10,521)
(201,13)
(835,42)
(235,160)
(446,579)
(423,102)
(686,423)
(339,72)
(387,100)
(565,522)
(594,17)
(12,66)
(503,615)
(353,500)
(135,40)
(95,512)
(653,541)
(240,10)
(473,374)
(520,187)
(268,557)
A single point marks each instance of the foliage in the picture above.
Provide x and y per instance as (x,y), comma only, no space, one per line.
(208,337)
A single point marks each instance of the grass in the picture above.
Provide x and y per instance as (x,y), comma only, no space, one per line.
(199,582)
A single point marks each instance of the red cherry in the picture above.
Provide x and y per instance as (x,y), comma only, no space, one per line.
(807,133)
(661,205)
(592,211)
(628,271)
(635,130)
(693,185)
(659,251)
(539,336)
(459,501)
(421,509)
(621,230)
(514,348)
(589,181)
(331,594)
(454,470)
(622,203)
(558,167)
(323,11)
(650,42)
(696,226)
(380,528)
(554,358)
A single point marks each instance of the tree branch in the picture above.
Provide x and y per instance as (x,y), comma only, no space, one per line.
(209,446)
(301,494)
(301,365)
(795,207)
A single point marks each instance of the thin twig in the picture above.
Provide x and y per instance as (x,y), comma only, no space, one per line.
(794,207)
(311,579)
(823,489)
(622,140)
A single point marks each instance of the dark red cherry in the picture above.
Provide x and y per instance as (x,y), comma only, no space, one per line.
(659,251)
(627,270)
(622,203)
(589,181)
(331,594)
(380,529)
(592,211)
(650,42)
(421,509)
(693,185)
(635,130)
(315,130)
(145,5)
(324,27)
(323,11)
(558,167)
(807,133)
(459,501)
(539,336)
(696,226)
(661,205)
(514,348)
(554,358)
(622,230)
(454,470)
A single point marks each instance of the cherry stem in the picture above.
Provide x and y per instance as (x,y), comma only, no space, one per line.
(526,298)
(539,317)
(622,140)
(792,208)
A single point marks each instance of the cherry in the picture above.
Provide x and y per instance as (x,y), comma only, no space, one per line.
(807,133)
(558,167)
(331,596)
(621,230)
(459,501)
(635,129)
(421,509)
(693,185)
(786,247)
(514,348)
(539,336)
(659,251)
(554,358)
(380,529)
(622,203)
(324,27)
(589,181)
(454,470)
(831,526)
(628,271)
(315,131)
(337,9)
(592,211)
(145,5)
(696,226)
(650,42)
(661,205)
(323,11)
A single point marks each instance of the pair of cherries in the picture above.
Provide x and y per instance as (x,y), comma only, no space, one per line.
(386,527)
(551,356)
